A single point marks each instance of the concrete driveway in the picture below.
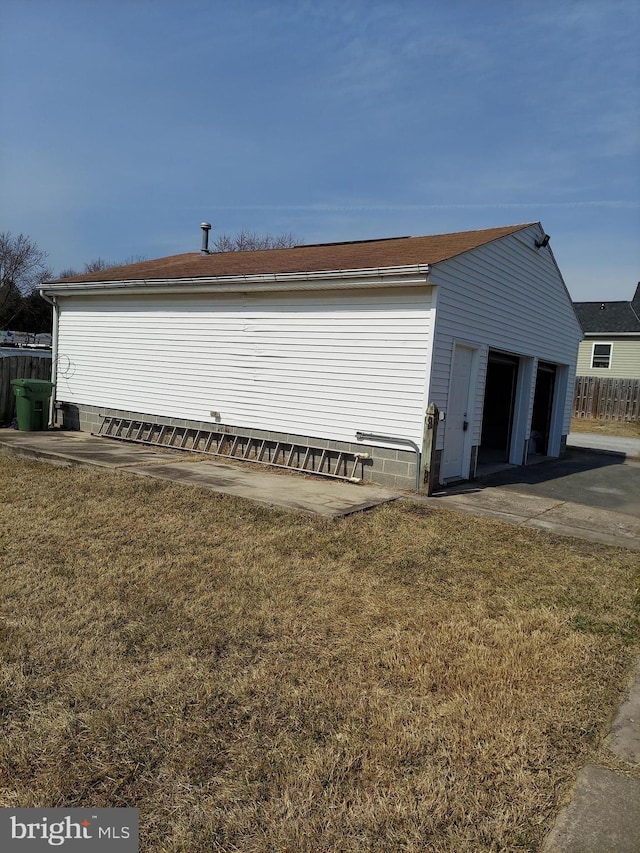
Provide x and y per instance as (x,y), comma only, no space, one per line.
(620,445)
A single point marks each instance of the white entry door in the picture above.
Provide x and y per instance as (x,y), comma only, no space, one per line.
(457,448)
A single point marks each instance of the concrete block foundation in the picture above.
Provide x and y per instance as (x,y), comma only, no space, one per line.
(394,468)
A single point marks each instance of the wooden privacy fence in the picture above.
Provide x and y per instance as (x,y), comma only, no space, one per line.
(26,366)
(608,399)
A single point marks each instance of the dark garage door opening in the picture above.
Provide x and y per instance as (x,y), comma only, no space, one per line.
(499,405)
(542,408)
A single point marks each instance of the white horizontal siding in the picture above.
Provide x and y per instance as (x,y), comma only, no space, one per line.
(323,365)
(625,358)
(506,295)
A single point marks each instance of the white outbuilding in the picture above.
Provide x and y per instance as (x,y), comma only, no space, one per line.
(339,346)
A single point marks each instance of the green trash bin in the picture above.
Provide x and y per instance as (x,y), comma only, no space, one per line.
(32,403)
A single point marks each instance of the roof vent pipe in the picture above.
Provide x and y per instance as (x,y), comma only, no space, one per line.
(206,227)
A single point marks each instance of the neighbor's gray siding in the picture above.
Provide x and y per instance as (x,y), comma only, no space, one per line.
(322,364)
(506,295)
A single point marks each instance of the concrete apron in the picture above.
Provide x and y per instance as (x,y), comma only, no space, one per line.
(323,496)
(326,497)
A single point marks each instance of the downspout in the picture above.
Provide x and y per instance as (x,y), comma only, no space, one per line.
(54,354)
(372,436)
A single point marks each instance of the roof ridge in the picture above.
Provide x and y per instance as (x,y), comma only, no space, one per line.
(350,242)
(516,226)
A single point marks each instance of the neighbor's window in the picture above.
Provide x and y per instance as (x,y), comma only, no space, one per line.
(601,355)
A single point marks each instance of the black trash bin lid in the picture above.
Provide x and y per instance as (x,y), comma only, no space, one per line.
(35,384)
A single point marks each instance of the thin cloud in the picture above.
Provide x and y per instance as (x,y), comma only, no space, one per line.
(330,208)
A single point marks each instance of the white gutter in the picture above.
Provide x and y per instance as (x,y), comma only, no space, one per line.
(54,354)
(605,337)
(405,276)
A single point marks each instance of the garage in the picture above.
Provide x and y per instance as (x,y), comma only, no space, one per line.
(339,346)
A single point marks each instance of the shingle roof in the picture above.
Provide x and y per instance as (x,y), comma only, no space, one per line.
(367,254)
(609,317)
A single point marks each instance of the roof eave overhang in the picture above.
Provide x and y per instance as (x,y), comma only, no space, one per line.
(612,334)
(404,276)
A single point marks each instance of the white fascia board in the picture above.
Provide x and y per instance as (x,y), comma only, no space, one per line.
(606,336)
(406,276)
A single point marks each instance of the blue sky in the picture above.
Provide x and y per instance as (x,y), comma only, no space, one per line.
(125,123)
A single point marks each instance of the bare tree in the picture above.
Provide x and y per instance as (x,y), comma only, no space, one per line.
(250,241)
(30,314)
(67,272)
(99,264)
(22,263)
(22,269)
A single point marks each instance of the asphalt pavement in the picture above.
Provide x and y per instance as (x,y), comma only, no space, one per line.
(586,494)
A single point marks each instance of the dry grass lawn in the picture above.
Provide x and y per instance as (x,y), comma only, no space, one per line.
(254,680)
(623,429)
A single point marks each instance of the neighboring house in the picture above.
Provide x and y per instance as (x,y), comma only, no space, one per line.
(611,348)
(318,343)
